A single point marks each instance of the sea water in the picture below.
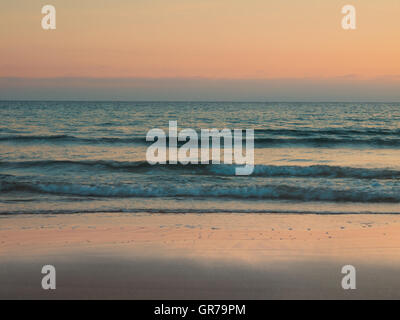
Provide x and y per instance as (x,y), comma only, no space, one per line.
(323,158)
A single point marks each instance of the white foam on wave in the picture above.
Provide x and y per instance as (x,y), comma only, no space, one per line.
(270,192)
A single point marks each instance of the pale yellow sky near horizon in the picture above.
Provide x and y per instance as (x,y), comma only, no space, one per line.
(200,38)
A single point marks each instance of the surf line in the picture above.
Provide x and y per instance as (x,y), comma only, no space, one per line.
(195,152)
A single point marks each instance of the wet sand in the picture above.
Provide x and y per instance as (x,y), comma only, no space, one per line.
(199,256)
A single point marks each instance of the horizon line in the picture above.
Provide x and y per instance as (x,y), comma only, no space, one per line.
(197,101)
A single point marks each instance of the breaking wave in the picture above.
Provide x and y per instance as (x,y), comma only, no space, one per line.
(268,192)
(313,171)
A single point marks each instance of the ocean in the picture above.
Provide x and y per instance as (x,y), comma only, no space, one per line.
(310,158)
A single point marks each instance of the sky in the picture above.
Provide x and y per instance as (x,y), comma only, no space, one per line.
(200,50)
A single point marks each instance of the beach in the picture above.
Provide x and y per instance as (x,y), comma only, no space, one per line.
(184,150)
(199,256)
(78,193)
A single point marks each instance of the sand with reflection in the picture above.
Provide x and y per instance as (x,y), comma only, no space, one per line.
(200,255)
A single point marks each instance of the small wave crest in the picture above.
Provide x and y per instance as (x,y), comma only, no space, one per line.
(267,192)
(290,138)
(70,139)
(313,171)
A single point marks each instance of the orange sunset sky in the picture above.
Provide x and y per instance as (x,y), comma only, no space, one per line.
(206,39)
